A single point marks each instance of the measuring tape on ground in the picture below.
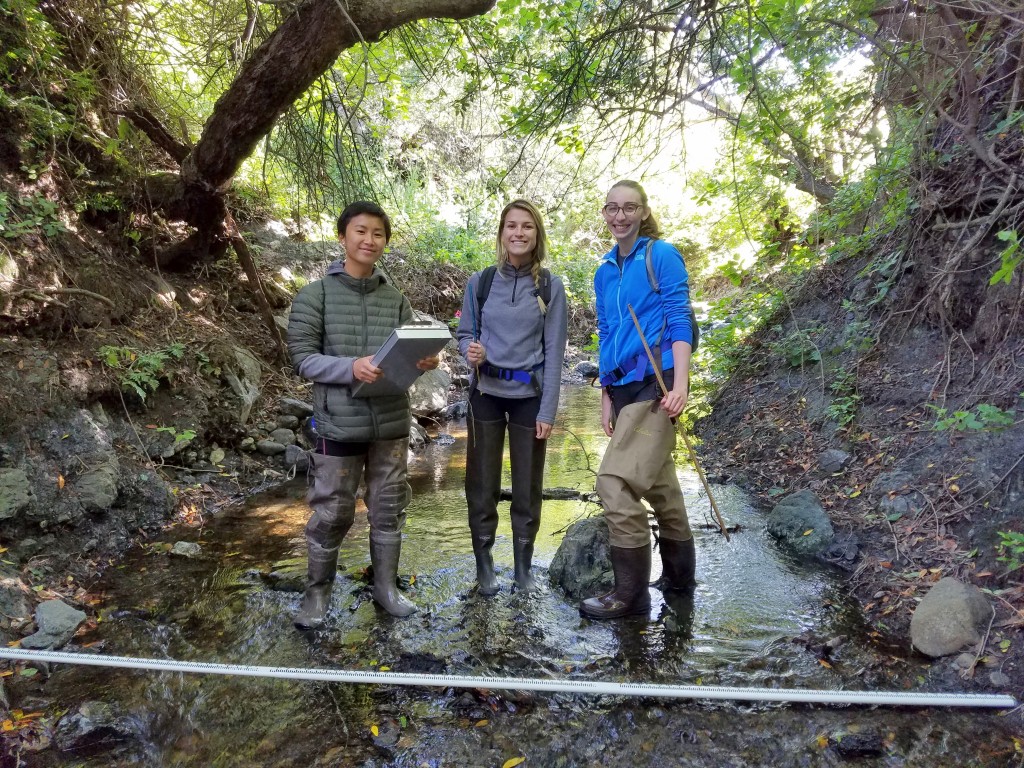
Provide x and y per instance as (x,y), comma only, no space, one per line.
(722,693)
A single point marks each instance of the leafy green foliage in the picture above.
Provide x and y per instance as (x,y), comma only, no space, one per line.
(1010,258)
(983,416)
(845,399)
(1011,549)
(140,372)
(23,216)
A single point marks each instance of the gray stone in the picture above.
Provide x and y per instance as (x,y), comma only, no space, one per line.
(800,523)
(289,406)
(587,369)
(187,549)
(57,622)
(97,487)
(582,565)
(288,421)
(418,437)
(834,460)
(429,393)
(999,679)
(948,618)
(243,371)
(889,483)
(217,456)
(456,410)
(248,445)
(15,492)
(14,596)
(297,457)
(270,448)
(283,436)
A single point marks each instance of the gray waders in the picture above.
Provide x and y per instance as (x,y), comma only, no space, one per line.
(387,495)
(332,499)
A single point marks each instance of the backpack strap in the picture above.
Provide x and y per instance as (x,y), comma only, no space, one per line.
(652,278)
(483,288)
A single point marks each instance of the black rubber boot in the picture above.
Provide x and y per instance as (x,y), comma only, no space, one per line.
(334,481)
(678,566)
(527,455)
(632,568)
(483,488)
(385,552)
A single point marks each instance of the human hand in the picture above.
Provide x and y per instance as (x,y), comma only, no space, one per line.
(428,363)
(364,370)
(674,402)
(543,430)
(476,353)
(606,414)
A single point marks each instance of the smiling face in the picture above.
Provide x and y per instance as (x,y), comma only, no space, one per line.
(364,239)
(624,211)
(519,236)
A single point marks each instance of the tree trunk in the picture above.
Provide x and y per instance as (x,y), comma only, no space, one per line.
(302,48)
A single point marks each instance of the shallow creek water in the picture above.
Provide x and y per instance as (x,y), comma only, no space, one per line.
(757,619)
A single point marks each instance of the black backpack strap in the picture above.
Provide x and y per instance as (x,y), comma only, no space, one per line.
(483,288)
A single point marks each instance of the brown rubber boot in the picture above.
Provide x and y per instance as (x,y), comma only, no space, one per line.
(632,568)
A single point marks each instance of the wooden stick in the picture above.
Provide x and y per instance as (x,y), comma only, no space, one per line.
(679,425)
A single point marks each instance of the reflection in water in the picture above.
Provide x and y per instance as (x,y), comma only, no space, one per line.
(736,630)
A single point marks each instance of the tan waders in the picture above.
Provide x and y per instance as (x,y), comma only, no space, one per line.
(638,464)
(332,499)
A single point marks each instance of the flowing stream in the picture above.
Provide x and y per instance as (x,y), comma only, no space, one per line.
(757,619)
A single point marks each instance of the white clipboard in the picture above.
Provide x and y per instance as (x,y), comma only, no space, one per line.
(397,358)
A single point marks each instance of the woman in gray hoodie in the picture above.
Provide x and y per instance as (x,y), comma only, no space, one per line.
(512,332)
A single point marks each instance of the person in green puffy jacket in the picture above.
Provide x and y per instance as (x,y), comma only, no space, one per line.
(336,325)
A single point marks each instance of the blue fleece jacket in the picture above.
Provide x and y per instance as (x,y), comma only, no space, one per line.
(617,288)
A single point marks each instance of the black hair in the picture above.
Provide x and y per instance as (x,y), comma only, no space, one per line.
(357,209)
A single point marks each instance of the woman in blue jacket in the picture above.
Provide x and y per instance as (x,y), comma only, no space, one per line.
(637,416)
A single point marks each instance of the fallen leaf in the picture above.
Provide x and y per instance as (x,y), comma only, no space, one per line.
(385,668)
(482,723)
(513,762)
(375,730)
(825,664)
(808,532)
(60,482)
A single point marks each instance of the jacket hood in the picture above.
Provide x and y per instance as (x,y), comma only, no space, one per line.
(371,283)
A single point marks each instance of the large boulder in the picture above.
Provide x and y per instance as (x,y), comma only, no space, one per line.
(950,617)
(97,726)
(799,522)
(429,393)
(582,566)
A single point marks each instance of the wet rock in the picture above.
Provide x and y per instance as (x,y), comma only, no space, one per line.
(429,393)
(15,605)
(418,437)
(286,580)
(858,744)
(949,618)
(582,567)
(554,494)
(587,369)
(291,407)
(270,448)
(843,550)
(799,522)
(297,457)
(188,549)
(834,460)
(444,439)
(97,727)
(283,436)
(15,492)
(57,622)
(456,410)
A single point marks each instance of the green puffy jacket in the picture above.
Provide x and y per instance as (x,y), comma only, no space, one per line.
(333,322)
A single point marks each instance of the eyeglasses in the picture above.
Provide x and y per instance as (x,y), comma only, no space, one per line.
(630,209)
